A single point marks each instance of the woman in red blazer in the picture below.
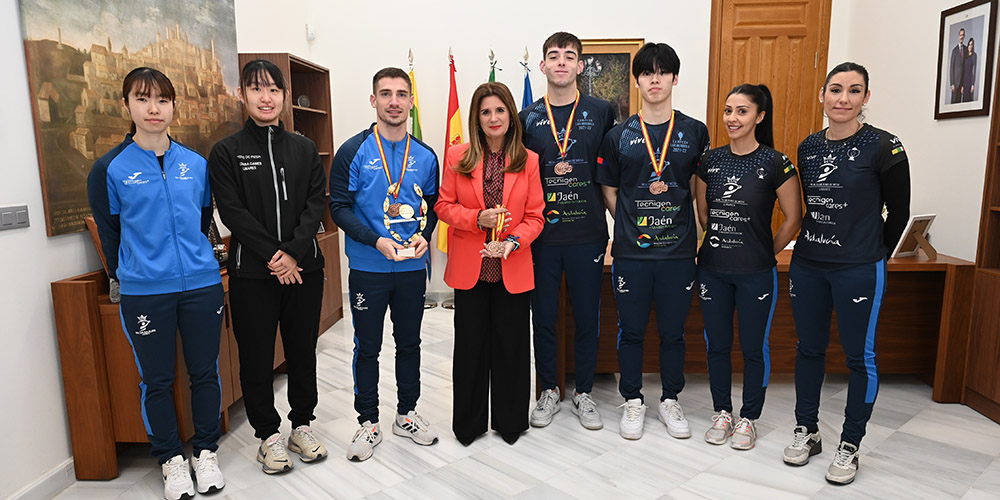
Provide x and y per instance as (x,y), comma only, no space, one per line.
(491,196)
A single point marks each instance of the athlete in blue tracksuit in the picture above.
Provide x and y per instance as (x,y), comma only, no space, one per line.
(151,200)
(566,128)
(850,171)
(736,188)
(383,186)
(645,169)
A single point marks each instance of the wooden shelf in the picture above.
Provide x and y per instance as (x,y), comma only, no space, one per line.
(324,153)
(309,110)
(994,209)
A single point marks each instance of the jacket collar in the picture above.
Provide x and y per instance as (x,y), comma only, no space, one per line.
(259,133)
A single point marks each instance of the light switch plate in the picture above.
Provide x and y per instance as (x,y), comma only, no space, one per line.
(14,217)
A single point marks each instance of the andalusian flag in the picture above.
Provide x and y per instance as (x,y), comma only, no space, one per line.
(453,137)
(415,111)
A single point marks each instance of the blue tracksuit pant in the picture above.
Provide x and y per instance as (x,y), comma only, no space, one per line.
(638,284)
(754,295)
(403,294)
(584,267)
(151,324)
(857,293)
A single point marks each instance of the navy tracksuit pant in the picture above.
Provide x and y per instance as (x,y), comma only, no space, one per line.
(259,307)
(403,294)
(639,283)
(754,295)
(584,267)
(151,324)
(857,293)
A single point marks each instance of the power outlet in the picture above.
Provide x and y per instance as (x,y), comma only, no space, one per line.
(14,217)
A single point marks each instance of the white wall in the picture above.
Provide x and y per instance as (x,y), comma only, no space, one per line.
(36,433)
(360,40)
(897,41)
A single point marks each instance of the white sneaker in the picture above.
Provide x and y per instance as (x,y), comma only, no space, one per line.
(722,428)
(414,427)
(177,482)
(744,435)
(586,408)
(632,418)
(207,472)
(804,445)
(272,455)
(364,441)
(304,442)
(546,408)
(845,464)
(670,413)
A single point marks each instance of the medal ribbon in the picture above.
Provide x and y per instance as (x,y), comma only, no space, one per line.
(564,145)
(657,165)
(394,187)
(495,232)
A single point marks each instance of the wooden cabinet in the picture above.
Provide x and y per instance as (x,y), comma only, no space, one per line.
(982,381)
(308,112)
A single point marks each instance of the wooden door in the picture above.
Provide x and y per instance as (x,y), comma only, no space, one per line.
(780,43)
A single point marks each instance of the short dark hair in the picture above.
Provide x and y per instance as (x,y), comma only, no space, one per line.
(760,95)
(845,67)
(144,81)
(391,73)
(254,70)
(656,56)
(562,40)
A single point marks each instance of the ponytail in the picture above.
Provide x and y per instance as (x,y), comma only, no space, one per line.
(761,96)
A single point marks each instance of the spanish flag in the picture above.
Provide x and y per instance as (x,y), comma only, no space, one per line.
(453,137)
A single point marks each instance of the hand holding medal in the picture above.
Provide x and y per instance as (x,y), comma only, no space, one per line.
(396,212)
(497,220)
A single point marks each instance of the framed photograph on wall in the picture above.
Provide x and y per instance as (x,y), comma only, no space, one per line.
(607,73)
(965,60)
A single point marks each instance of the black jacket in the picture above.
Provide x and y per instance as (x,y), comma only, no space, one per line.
(269,187)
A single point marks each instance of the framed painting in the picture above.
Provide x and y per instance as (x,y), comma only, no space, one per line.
(965,60)
(607,73)
(78,52)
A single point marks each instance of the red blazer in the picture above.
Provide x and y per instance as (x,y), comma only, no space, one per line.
(459,201)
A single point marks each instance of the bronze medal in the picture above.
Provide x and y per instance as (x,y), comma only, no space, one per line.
(563,168)
(393,210)
(495,247)
(658,187)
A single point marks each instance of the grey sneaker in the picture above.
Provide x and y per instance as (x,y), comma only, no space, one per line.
(744,435)
(633,416)
(414,427)
(177,482)
(546,408)
(844,466)
(722,428)
(804,445)
(364,441)
(670,413)
(304,442)
(272,455)
(207,472)
(585,408)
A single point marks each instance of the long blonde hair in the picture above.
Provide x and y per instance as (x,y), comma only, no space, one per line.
(514,149)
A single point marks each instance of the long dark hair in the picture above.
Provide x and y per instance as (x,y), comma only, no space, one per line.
(144,81)
(514,150)
(761,96)
(845,67)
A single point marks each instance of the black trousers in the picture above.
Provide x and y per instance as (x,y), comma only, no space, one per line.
(259,306)
(491,370)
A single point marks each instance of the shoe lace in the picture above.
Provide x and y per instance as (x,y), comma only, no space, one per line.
(800,439)
(305,434)
(844,457)
(175,471)
(745,426)
(586,404)
(209,463)
(549,399)
(277,448)
(366,433)
(419,423)
(632,411)
(675,411)
(722,420)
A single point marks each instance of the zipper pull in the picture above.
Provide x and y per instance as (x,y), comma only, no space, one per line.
(284,188)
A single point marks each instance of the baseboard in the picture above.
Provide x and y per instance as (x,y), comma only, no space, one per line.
(49,485)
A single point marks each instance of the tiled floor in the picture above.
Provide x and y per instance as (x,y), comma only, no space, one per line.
(914,448)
